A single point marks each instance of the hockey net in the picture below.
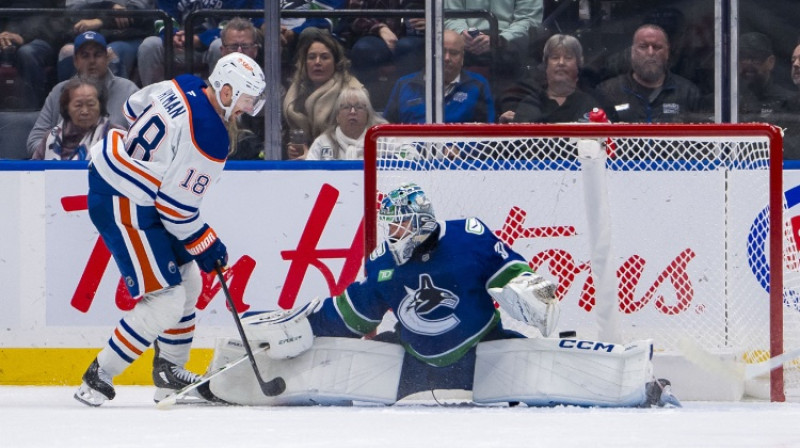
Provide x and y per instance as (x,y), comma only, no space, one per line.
(699,227)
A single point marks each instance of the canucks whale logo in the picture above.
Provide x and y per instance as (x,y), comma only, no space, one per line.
(428,310)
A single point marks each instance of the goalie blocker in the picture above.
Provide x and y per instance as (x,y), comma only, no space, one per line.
(538,372)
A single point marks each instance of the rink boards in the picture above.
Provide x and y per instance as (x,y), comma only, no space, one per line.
(292,234)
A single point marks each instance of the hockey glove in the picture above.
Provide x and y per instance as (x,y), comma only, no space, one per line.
(287,332)
(206,249)
(531,299)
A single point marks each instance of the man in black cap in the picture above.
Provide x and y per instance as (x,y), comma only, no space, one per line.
(759,96)
(91,60)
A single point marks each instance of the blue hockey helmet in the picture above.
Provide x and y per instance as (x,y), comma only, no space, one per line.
(407,219)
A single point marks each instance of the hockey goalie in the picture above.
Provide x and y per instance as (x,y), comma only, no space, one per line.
(442,282)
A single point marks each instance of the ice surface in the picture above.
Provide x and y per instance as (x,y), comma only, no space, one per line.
(32,416)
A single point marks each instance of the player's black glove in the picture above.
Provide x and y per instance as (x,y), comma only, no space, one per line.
(207,249)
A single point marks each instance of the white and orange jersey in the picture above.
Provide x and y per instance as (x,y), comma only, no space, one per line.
(173,152)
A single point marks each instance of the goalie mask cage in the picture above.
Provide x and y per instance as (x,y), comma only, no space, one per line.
(701,243)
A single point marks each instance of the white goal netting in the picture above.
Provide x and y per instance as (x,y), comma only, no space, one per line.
(688,207)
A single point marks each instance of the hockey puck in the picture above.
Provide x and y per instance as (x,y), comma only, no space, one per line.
(567,334)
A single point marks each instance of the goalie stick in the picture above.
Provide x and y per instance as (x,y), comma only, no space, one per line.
(270,388)
(736,370)
(174,398)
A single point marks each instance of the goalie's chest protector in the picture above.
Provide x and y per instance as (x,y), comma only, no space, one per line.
(440,298)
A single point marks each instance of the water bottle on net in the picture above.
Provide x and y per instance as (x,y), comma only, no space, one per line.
(598,115)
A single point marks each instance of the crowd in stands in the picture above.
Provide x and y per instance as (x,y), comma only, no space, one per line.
(322,70)
(341,75)
(91,60)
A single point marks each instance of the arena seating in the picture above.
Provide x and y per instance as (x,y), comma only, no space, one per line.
(14,129)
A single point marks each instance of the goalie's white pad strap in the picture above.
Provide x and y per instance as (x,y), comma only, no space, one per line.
(546,372)
(335,371)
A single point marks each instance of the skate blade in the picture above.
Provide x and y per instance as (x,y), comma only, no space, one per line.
(192,398)
(89,396)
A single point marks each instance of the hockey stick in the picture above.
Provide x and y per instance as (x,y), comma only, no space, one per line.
(173,399)
(736,370)
(270,388)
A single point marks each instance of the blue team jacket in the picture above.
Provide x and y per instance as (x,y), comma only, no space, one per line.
(470,101)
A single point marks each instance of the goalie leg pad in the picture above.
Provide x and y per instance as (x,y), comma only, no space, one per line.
(335,371)
(548,372)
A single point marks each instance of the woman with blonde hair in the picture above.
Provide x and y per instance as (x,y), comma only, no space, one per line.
(322,70)
(344,138)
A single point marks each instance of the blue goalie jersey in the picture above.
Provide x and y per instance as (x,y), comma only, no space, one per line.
(439,296)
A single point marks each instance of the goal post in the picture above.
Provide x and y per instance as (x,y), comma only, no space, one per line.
(702,245)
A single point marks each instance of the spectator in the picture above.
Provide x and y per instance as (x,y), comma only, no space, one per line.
(759,96)
(321,72)
(789,120)
(371,40)
(240,35)
(151,52)
(292,27)
(382,47)
(467,96)
(344,138)
(124,35)
(793,103)
(91,60)
(649,92)
(560,100)
(33,42)
(516,19)
(409,52)
(83,122)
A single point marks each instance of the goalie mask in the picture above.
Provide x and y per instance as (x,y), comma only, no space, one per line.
(246,79)
(407,219)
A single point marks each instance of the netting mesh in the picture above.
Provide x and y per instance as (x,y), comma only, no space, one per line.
(689,224)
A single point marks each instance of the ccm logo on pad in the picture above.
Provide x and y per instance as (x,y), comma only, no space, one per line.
(288,340)
(585,345)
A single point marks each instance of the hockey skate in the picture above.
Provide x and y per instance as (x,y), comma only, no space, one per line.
(659,393)
(96,387)
(170,378)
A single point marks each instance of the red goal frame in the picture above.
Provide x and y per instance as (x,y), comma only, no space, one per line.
(600,131)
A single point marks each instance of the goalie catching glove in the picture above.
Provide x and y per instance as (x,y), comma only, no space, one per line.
(287,332)
(531,299)
(207,249)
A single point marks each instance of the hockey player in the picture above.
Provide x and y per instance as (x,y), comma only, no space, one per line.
(439,278)
(145,191)
(435,276)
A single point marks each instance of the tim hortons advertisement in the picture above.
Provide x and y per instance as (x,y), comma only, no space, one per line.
(297,234)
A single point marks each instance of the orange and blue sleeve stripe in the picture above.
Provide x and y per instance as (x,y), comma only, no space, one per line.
(173,210)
